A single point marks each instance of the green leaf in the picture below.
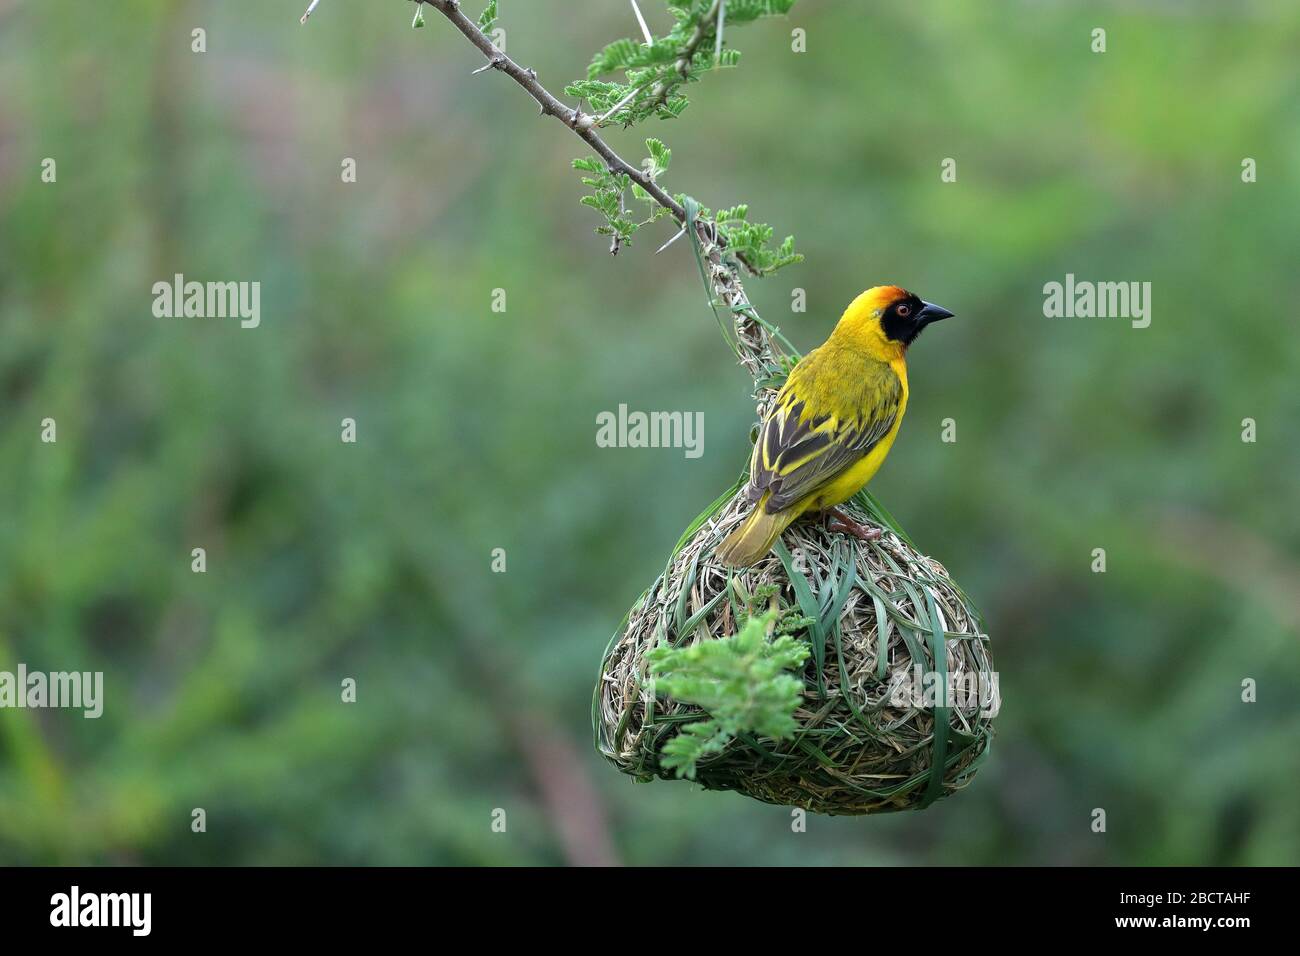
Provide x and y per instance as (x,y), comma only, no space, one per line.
(740,681)
(660,153)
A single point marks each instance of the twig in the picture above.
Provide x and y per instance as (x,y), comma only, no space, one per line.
(581,123)
(683,64)
(758,351)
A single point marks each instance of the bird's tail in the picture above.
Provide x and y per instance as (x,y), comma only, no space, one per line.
(755,536)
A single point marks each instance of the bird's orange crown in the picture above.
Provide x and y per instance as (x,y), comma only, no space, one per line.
(886,319)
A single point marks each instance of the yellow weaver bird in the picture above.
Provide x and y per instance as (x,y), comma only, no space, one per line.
(833,422)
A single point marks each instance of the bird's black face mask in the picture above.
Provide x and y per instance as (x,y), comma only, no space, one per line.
(904,320)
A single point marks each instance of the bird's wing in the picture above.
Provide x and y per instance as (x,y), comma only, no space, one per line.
(806,444)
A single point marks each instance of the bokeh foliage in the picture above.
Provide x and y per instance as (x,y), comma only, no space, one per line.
(1121,690)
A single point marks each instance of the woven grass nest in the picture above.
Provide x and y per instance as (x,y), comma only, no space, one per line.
(881,609)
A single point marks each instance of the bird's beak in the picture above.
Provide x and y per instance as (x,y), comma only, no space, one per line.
(931,313)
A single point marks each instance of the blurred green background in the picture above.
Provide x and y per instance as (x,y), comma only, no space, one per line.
(476,430)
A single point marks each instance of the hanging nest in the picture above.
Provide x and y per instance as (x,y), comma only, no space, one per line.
(866,741)
(884,619)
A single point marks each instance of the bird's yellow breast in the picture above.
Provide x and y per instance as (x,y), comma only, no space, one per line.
(855,478)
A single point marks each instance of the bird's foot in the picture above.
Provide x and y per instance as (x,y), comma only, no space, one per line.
(841,522)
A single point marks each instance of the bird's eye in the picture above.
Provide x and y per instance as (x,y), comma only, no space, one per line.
(904,310)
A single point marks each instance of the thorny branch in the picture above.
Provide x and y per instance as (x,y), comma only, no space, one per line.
(758,350)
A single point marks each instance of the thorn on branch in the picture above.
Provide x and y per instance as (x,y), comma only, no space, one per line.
(722,18)
(619,105)
(680,232)
(493,64)
(645,30)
